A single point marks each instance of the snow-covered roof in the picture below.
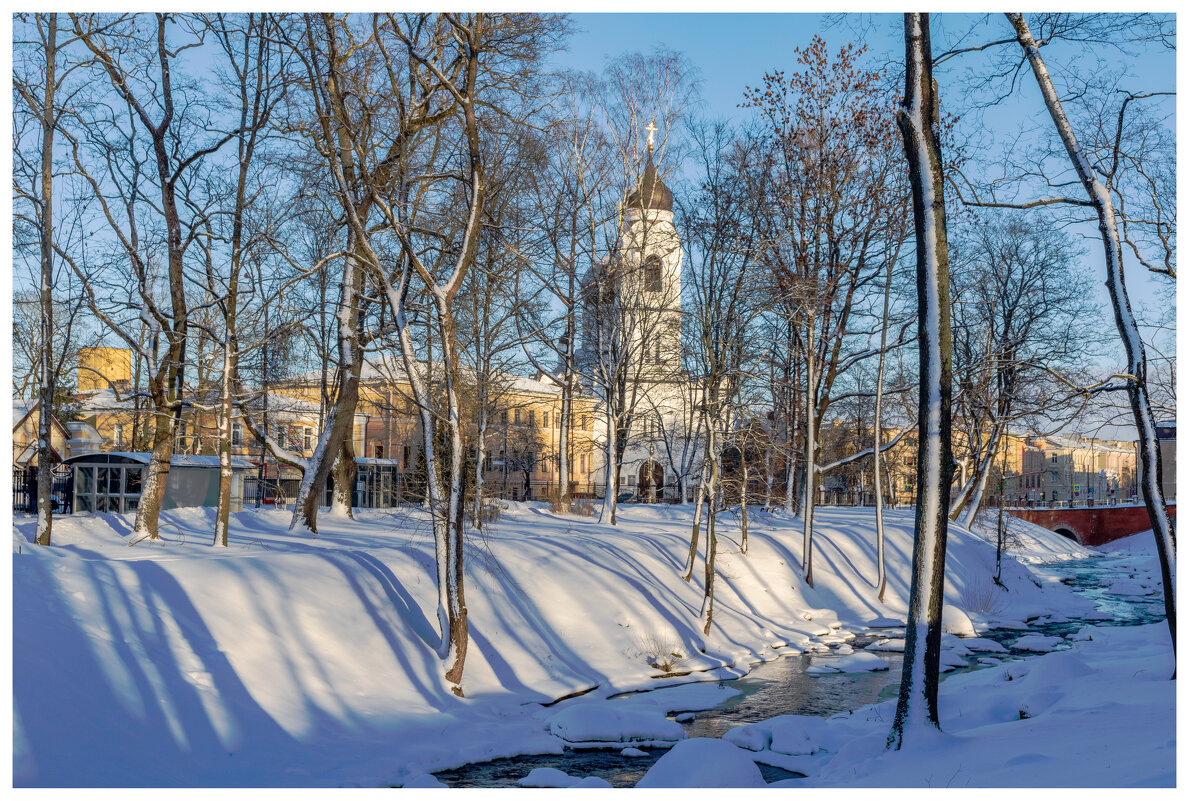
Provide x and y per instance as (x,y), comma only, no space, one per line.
(178,460)
(22,407)
(391,368)
(104,400)
(1077,441)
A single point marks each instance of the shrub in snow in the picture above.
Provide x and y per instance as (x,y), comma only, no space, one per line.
(955,621)
(662,651)
(702,762)
(546,777)
(984,596)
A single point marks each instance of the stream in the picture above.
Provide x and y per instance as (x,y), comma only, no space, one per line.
(782,687)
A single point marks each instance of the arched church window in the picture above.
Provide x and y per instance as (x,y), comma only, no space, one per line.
(652,274)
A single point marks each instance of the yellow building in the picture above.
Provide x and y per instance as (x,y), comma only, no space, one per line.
(523,434)
(104,368)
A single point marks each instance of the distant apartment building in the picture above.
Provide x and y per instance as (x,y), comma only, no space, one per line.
(520,457)
(521,452)
(1069,468)
(1166,435)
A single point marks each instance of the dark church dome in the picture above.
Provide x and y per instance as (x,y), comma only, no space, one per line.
(652,192)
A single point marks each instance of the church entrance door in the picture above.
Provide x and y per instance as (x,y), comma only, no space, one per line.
(651,482)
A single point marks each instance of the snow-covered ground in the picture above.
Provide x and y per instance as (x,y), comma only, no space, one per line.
(295,661)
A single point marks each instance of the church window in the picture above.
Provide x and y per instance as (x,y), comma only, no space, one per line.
(652,275)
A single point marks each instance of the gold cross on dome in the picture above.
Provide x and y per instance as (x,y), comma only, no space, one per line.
(652,129)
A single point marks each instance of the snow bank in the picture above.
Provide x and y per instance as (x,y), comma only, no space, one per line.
(1036,544)
(1099,715)
(296,661)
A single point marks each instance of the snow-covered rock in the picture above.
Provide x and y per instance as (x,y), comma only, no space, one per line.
(703,762)
(547,777)
(1037,642)
(955,621)
(613,723)
(423,781)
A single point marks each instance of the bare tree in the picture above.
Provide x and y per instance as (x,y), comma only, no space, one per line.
(137,56)
(38,82)
(1098,179)
(257,79)
(1021,317)
(719,221)
(837,205)
(569,190)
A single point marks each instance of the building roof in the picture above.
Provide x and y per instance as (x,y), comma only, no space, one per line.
(651,192)
(178,460)
(391,368)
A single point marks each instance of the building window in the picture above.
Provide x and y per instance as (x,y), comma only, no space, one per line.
(119,435)
(237,434)
(532,417)
(405,456)
(652,274)
(544,419)
(307,438)
(378,451)
(487,460)
(1054,458)
(504,417)
(516,416)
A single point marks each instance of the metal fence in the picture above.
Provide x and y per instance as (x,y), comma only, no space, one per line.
(24,489)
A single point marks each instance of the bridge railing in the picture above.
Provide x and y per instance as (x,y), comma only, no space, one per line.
(1078,503)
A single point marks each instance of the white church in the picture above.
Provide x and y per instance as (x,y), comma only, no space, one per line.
(631,350)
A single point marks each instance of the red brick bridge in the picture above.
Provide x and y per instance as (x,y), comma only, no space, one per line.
(1092,525)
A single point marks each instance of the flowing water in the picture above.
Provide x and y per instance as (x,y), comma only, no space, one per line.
(782,687)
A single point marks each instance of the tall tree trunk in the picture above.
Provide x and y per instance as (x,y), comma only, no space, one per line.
(881,579)
(45,474)
(810,459)
(611,483)
(707,613)
(1137,365)
(699,499)
(340,420)
(344,471)
(743,513)
(916,707)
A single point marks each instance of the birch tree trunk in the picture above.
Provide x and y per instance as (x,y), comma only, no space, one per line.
(47,115)
(1137,390)
(611,484)
(699,499)
(881,579)
(916,707)
(810,458)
